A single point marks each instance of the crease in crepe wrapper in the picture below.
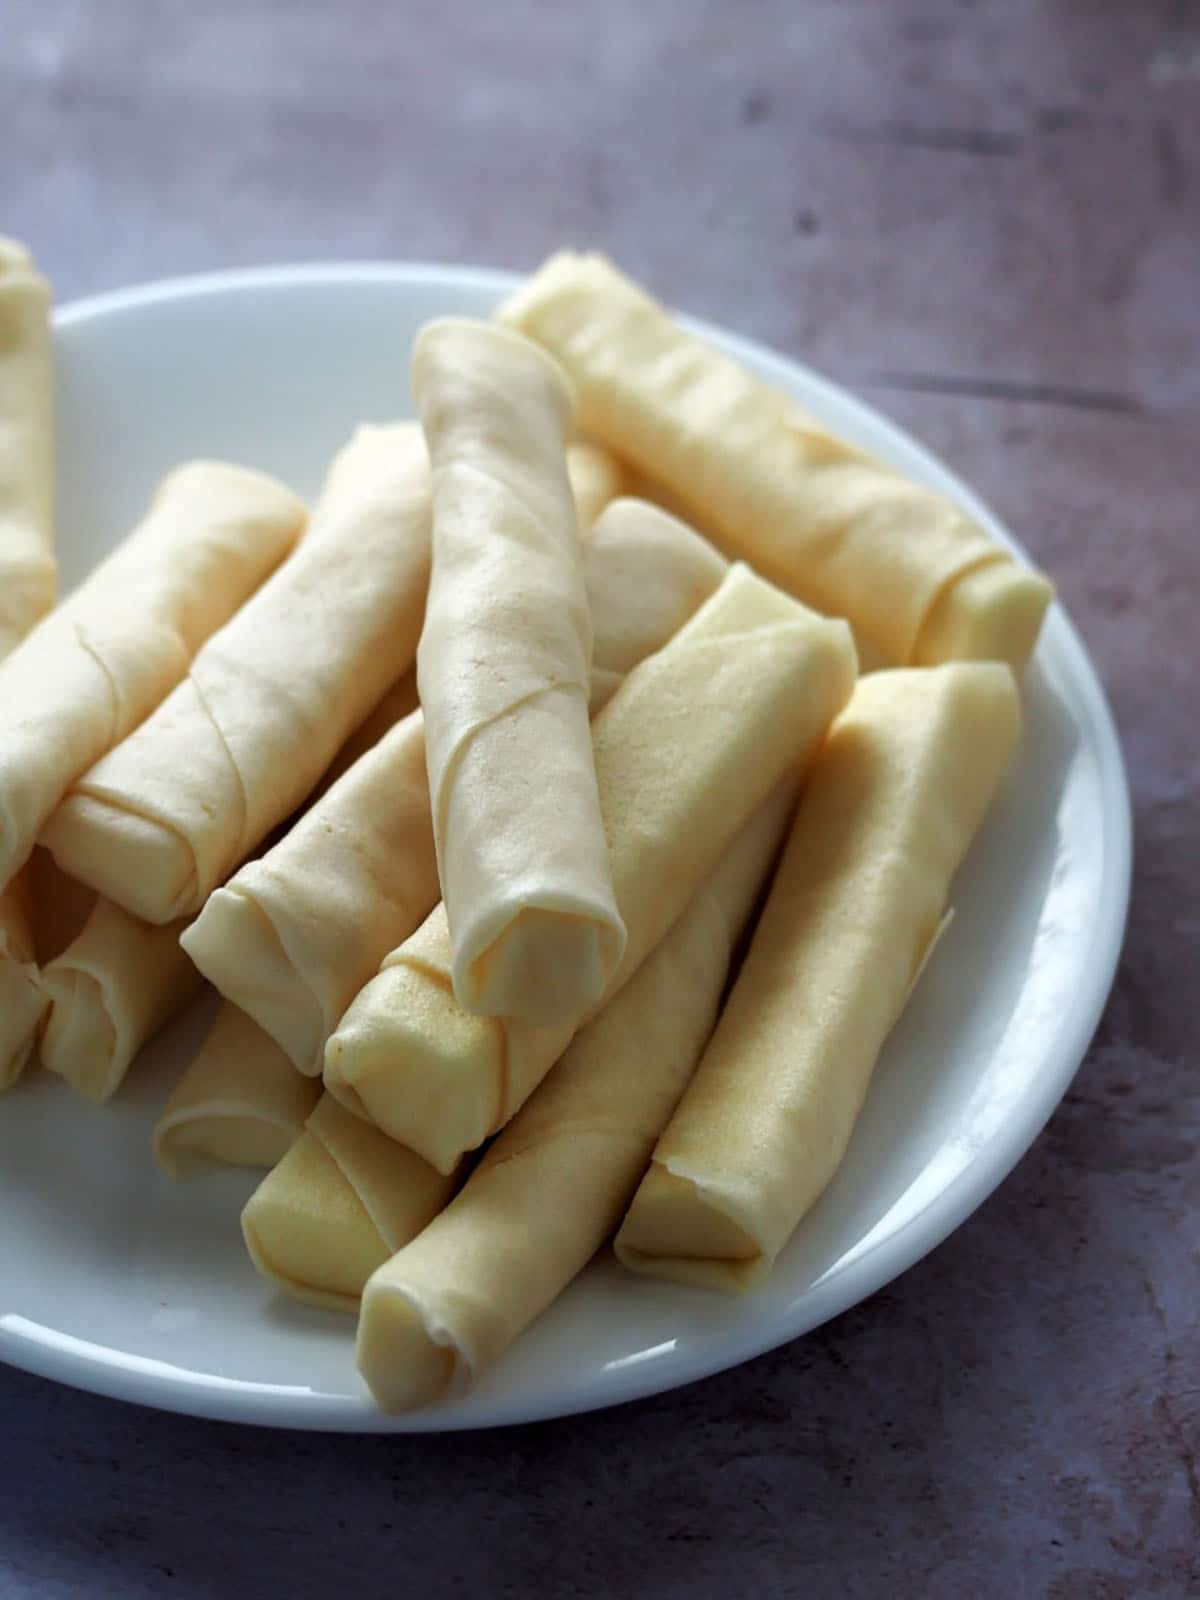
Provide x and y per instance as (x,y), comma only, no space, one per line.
(731,721)
(343,1200)
(110,991)
(293,936)
(504,673)
(556,1181)
(857,904)
(268,700)
(240,1102)
(848,534)
(94,668)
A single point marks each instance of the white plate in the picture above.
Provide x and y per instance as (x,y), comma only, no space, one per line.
(115,1279)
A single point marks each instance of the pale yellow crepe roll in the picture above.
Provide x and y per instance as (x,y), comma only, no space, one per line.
(504,670)
(694,740)
(556,1182)
(240,1102)
(22,1000)
(110,992)
(268,701)
(28,570)
(888,813)
(843,532)
(343,1199)
(88,674)
(293,936)
(597,478)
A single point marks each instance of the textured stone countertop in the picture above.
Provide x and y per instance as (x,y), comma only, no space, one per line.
(985,217)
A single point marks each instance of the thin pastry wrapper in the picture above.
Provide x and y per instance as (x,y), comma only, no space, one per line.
(888,812)
(110,992)
(341,1202)
(504,669)
(239,1103)
(842,531)
(268,701)
(91,671)
(28,569)
(555,1183)
(691,744)
(22,1000)
(293,936)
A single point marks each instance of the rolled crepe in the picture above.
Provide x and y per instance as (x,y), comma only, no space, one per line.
(268,701)
(888,812)
(688,748)
(504,669)
(110,992)
(556,1182)
(342,1200)
(89,673)
(240,1102)
(22,1001)
(28,581)
(28,570)
(294,936)
(904,564)
(597,478)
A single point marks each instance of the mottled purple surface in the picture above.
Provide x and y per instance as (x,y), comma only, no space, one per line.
(986,218)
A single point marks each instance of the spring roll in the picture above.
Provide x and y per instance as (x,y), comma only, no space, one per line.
(888,813)
(110,992)
(88,674)
(22,1000)
(268,701)
(239,1103)
(341,1202)
(28,570)
(689,747)
(28,582)
(913,574)
(294,936)
(557,1181)
(504,670)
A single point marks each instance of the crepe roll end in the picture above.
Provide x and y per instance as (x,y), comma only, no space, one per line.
(236,946)
(426,1072)
(405,1361)
(674,1230)
(994,612)
(308,1233)
(80,1041)
(137,862)
(544,966)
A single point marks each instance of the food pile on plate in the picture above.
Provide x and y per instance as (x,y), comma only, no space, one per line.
(560,870)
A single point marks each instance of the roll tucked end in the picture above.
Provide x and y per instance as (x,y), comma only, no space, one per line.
(675,1229)
(138,862)
(405,1360)
(307,1231)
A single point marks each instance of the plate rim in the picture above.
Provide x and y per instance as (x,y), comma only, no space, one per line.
(122,1376)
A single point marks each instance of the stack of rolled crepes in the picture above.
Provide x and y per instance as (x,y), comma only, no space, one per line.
(504,813)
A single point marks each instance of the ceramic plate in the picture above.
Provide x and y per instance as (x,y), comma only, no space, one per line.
(115,1279)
